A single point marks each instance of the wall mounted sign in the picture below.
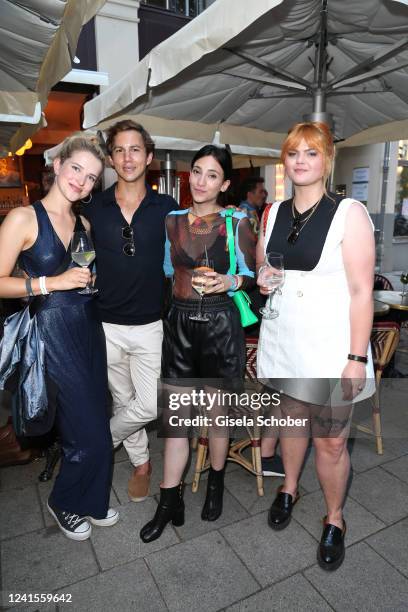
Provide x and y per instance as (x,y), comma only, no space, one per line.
(361,175)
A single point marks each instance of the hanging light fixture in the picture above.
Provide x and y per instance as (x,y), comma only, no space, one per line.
(27,145)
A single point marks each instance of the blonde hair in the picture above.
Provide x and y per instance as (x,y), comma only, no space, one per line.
(318,136)
(81,142)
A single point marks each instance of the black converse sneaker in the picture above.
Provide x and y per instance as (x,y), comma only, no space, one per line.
(111,518)
(72,525)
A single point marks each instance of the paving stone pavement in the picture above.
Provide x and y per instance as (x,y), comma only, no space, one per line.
(235,564)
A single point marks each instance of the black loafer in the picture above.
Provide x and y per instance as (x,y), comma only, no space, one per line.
(330,554)
(281,510)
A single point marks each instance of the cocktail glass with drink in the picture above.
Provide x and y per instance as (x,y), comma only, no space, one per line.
(199,282)
(83,254)
(404,281)
(271,275)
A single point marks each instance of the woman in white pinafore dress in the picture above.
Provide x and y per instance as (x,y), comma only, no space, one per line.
(317,350)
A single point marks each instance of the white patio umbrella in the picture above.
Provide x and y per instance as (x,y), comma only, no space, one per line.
(252,69)
(38,40)
(242,156)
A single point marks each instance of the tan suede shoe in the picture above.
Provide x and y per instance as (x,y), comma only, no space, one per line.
(139,483)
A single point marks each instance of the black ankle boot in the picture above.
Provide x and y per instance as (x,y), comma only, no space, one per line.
(212,508)
(170,508)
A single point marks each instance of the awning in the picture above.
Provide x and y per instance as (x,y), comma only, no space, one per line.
(242,157)
(252,69)
(38,40)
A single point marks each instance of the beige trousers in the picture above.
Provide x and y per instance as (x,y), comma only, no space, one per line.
(134,357)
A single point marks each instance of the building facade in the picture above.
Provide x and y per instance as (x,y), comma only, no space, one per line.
(125,30)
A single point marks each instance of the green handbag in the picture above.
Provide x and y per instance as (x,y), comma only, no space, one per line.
(241,299)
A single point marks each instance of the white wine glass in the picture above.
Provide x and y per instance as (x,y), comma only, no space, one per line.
(199,282)
(404,281)
(83,254)
(271,275)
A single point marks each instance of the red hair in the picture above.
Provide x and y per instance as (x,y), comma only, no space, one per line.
(317,135)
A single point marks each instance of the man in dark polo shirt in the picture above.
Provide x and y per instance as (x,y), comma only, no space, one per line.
(252,194)
(129,233)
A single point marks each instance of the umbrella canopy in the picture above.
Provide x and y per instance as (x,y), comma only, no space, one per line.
(37,45)
(242,157)
(252,69)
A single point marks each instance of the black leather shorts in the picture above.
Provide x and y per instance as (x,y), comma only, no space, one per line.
(193,349)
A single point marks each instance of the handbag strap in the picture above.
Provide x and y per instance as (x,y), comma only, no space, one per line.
(265,217)
(230,241)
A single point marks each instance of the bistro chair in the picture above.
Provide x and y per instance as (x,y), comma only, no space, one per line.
(236,449)
(381,283)
(384,341)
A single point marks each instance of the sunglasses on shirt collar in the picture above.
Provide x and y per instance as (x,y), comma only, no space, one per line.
(295,231)
(128,247)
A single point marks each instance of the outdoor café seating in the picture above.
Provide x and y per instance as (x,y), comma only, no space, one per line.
(381,283)
(237,447)
(385,336)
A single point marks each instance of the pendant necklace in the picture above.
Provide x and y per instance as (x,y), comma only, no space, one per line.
(297,223)
(204,228)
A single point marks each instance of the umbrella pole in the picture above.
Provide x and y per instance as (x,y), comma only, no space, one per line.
(319,112)
(169,182)
(168,169)
(381,218)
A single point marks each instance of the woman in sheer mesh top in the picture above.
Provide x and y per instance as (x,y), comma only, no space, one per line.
(203,337)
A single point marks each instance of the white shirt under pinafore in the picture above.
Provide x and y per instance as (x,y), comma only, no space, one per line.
(310,339)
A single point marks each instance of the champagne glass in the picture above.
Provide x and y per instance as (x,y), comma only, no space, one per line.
(83,254)
(199,282)
(404,281)
(271,275)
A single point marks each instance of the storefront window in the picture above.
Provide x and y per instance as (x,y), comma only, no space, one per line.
(279,182)
(189,8)
(401,204)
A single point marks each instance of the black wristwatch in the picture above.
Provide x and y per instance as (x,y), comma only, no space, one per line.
(359,358)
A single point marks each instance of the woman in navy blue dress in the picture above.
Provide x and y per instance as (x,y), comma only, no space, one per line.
(38,237)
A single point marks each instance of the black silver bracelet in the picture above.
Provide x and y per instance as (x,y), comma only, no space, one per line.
(359,358)
(29,287)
